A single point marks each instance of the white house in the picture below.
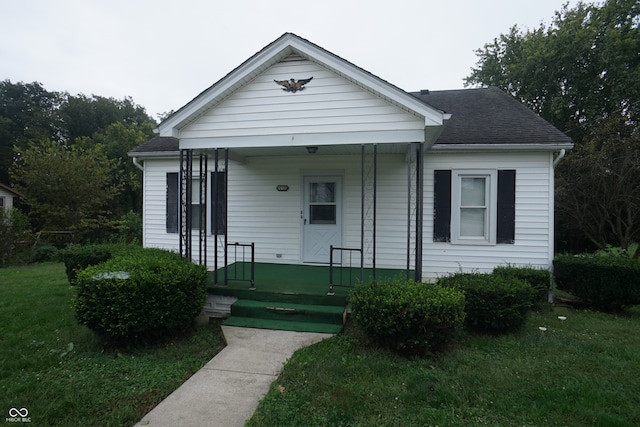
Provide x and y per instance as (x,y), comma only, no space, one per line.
(297,150)
(8,196)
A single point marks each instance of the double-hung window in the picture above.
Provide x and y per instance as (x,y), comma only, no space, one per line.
(473,218)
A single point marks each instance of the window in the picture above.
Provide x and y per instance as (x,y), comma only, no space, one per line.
(218,202)
(1,202)
(474,206)
(473,219)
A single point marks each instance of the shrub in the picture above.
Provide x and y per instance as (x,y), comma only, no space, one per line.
(45,253)
(406,316)
(14,227)
(539,279)
(494,303)
(77,258)
(140,297)
(605,282)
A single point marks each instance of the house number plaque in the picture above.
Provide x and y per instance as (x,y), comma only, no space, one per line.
(282,188)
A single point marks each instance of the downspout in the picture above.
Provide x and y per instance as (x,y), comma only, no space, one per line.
(556,161)
(560,157)
(137,164)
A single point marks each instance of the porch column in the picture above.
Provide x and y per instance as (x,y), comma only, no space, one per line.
(184,219)
(202,226)
(419,210)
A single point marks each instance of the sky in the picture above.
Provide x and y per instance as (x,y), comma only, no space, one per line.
(163,53)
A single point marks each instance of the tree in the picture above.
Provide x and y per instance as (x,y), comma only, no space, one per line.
(66,188)
(599,187)
(582,73)
(27,111)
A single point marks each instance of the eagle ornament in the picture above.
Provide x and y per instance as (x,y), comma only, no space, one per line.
(292,85)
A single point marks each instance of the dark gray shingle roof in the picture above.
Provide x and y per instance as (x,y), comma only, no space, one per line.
(490,116)
(157,144)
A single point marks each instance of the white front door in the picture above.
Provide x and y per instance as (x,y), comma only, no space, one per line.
(322,217)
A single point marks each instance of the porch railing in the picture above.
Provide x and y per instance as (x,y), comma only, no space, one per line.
(342,279)
(238,268)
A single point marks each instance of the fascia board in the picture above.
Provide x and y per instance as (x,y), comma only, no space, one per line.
(501,147)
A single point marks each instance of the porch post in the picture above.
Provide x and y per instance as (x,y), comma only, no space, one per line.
(362,212)
(375,194)
(184,220)
(214,220)
(409,149)
(203,209)
(225,216)
(419,210)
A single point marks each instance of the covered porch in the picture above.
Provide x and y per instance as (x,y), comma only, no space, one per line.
(287,296)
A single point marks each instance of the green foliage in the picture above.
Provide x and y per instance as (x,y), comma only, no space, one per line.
(130,228)
(495,303)
(140,297)
(77,258)
(14,227)
(67,189)
(407,316)
(539,279)
(606,282)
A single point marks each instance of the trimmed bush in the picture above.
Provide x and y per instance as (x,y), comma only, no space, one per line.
(605,282)
(140,297)
(539,279)
(77,258)
(410,317)
(494,303)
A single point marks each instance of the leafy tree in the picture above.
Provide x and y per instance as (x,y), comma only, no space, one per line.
(66,188)
(582,73)
(84,116)
(27,111)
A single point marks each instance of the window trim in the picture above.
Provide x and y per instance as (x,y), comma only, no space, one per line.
(491,198)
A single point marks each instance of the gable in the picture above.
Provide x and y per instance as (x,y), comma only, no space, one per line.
(290,54)
(329,105)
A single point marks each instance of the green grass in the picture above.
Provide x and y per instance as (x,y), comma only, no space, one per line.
(582,371)
(56,369)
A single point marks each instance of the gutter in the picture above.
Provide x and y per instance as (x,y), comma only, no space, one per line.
(137,164)
(560,157)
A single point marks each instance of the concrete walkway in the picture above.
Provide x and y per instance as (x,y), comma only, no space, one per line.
(226,391)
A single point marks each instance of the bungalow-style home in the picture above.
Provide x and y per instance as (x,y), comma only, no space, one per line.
(311,159)
(8,196)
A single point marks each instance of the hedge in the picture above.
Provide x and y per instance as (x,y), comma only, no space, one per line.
(410,317)
(494,303)
(604,282)
(140,297)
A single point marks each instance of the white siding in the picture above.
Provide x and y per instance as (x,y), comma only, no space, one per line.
(7,198)
(328,104)
(534,212)
(272,219)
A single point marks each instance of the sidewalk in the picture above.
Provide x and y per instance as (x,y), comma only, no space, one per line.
(226,391)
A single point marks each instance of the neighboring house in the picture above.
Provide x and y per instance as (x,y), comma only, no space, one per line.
(434,182)
(8,196)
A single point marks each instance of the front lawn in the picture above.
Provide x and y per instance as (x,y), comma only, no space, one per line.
(581,371)
(56,370)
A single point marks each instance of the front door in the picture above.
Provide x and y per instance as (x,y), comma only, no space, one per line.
(322,217)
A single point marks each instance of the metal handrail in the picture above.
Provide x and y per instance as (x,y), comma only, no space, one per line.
(331,264)
(251,279)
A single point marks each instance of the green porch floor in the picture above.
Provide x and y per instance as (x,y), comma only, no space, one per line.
(294,279)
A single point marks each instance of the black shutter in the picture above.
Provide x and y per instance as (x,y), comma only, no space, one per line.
(506,206)
(218,202)
(172,202)
(442,206)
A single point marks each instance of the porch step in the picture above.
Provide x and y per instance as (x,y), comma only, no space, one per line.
(286,316)
(283,325)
